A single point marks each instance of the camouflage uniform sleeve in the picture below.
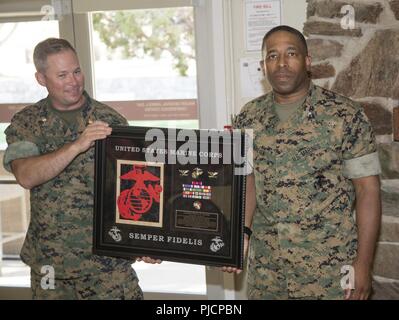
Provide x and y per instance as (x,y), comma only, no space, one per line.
(20,140)
(19,150)
(243,121)
(237,122)
(360,148)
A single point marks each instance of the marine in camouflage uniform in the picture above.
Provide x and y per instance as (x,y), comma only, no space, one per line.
(60,231)
(303,227)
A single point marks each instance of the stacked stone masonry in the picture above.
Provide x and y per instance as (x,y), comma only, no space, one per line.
(362,63)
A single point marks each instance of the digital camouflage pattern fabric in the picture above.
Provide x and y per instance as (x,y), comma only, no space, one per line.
(60,232)
(112,285)
(303,227)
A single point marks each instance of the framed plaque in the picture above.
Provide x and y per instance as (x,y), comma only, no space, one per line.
(172,194)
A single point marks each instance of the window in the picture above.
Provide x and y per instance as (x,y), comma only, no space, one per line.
(18,86)
(145,65)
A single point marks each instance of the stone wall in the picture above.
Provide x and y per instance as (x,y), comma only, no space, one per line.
(363,63)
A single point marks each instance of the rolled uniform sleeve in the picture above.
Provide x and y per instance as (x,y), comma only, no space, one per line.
(240,122)
(368,165)
(19,150)
(359,148)
(21,140)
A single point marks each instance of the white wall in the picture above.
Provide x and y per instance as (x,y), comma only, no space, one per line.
(294,13)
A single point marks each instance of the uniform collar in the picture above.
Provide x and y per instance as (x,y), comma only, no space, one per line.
(307,110)
(305,114)
(48,119)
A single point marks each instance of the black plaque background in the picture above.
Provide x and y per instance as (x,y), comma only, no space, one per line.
(228,195)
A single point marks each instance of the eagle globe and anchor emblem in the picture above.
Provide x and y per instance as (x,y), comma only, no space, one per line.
(137,200)
(217,244)
(115,234)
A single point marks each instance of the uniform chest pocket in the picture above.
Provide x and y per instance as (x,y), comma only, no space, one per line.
(316,171)
(309,159)
(263,145)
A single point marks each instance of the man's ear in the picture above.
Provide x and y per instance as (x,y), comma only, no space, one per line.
(262,64)
(40,78)
(308,61)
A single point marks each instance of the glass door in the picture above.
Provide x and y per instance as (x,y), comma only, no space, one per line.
(144,66)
